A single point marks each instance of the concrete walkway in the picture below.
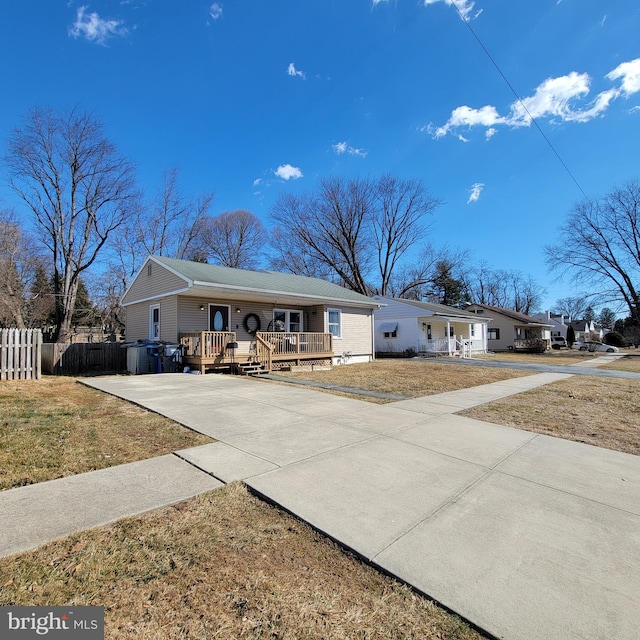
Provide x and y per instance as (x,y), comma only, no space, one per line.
(585,367)
(525,535)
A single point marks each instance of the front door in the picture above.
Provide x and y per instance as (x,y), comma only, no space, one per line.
(218,317)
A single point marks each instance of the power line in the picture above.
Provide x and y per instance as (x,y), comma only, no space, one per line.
(519,99)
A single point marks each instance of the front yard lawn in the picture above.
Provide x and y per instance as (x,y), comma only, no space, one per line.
(599,411)
(55,427)
(407,377)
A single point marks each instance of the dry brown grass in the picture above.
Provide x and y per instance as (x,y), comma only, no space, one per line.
(628,363)
(558,357)
(599,411)
(407,377)
(55,427)
(223,565)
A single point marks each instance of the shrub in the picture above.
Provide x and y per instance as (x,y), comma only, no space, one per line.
(614,339)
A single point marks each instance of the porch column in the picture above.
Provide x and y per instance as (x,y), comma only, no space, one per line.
(449,336)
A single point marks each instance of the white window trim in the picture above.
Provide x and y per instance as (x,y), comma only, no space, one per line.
(287,316)
(152,307)
(339,312)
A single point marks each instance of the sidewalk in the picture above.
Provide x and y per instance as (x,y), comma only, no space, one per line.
(525,535)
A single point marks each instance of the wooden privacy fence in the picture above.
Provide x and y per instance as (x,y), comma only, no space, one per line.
(83,358)
(20,354)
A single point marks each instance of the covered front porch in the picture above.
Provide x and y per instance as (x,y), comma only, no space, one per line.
(450,337)
(268,350)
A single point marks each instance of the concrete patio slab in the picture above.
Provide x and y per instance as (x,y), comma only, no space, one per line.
(526,562)
(471,440)
(606,476)
(368,494)
(39,513)
(225,462)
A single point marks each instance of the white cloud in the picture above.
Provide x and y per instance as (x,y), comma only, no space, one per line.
(490,132)
(634,109)
(467,117)
(376,2)
(93,28)
(292,71)
(560,99)
(257,181)
(630,74)
(288,172)
(475,191)
(464,7)
(462,138)
(215,10)
(344,147)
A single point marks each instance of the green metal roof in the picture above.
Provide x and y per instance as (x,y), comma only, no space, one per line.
(263,282)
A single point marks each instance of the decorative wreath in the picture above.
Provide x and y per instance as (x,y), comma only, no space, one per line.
(252,323)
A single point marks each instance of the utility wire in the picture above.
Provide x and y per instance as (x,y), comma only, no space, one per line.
(519,99)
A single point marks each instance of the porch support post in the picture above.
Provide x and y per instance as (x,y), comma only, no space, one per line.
(449,336)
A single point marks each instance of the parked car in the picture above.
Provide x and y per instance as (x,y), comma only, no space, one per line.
(558,342)
(595,346)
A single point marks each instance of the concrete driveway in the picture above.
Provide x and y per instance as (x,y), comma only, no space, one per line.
(524,535)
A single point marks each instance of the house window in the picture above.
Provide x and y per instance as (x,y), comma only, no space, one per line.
(389,329)
(289,320)
(493,334)
(154,322)
(391,334)
(473,330)
(334,322)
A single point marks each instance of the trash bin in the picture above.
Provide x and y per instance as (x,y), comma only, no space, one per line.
(170,358)
(155,362)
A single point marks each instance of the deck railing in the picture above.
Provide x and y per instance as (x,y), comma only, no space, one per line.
(264,352)
(297,343)
(206,344)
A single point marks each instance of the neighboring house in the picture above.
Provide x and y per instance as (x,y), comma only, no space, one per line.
(511,330)
(226,317)
(408,325)
(586,330)
(558,322)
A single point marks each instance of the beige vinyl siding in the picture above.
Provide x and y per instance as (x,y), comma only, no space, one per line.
(356,331)
(169,319)
(160,282)
(137,324)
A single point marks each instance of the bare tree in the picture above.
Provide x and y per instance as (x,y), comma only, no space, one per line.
(420,279)
(332,226)
(354,231)
(79,190)
(600,247)
(398,222)
(506,288)
(233,239)
(167,225)
(572,306)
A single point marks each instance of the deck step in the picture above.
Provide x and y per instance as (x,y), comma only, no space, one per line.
(251,368)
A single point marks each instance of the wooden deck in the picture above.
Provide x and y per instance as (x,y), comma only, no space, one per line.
(220,349)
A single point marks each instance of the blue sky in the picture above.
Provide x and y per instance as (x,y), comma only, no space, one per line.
(251,98)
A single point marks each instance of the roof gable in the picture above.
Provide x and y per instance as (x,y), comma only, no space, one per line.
(521,318)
